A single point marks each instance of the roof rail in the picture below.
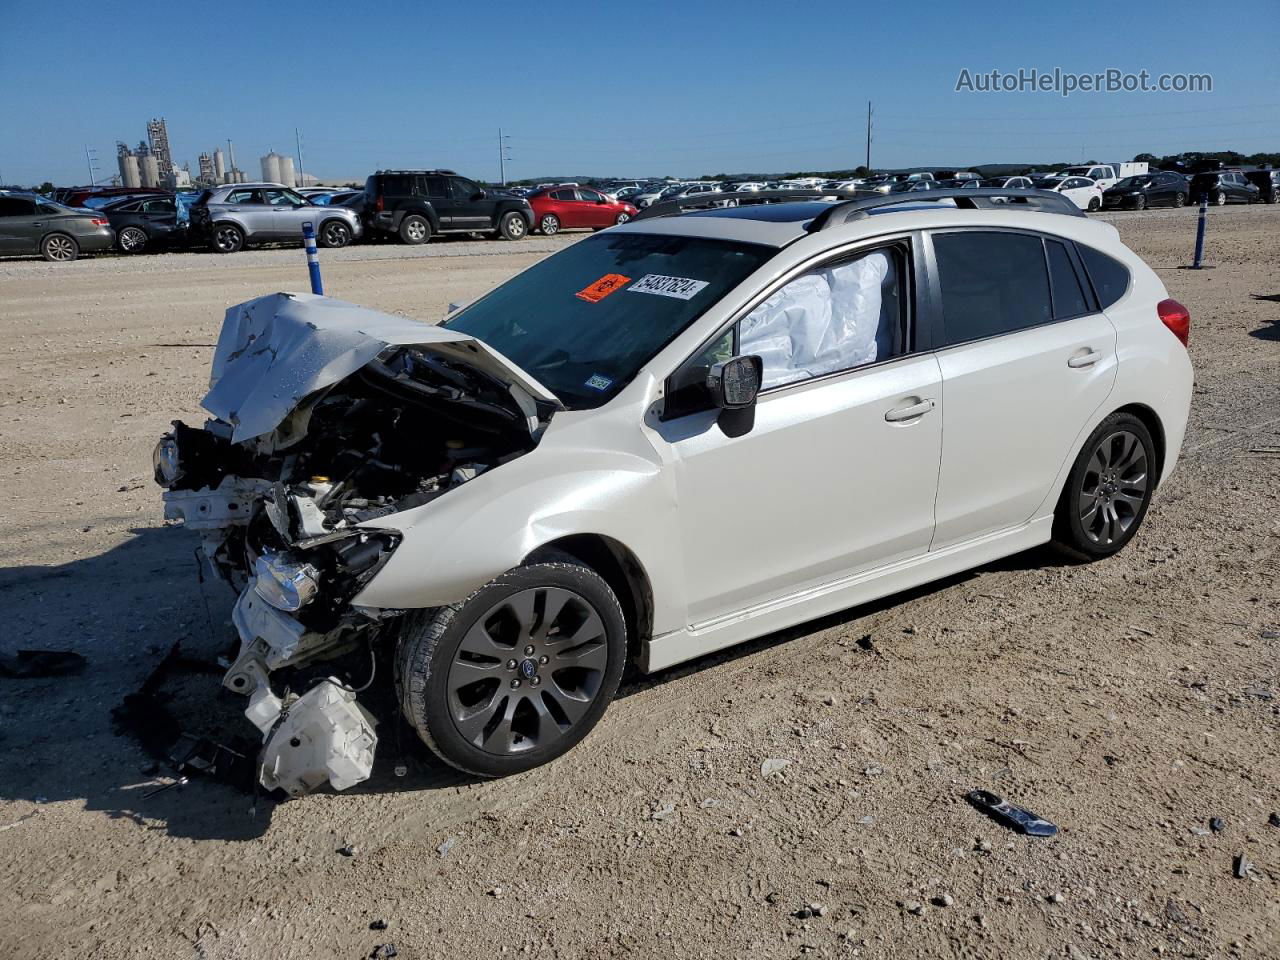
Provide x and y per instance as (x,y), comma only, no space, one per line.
(447,173)
(859,203)
(981,198)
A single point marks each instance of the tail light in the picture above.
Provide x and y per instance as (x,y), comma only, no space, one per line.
(99,222)
(1176,317)
(377,204)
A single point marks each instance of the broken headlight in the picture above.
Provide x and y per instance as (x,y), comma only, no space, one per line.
(285,584)
(166,461)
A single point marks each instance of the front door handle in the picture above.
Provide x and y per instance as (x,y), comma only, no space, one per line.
(1084,360)
(909,412)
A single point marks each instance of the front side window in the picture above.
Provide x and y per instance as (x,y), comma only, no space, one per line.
(584,321)
(284,198)
(464,189)
(992,283)
(589,195)
(158,206)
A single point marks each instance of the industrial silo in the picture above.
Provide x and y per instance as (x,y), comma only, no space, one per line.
(219,167)
(271,168)
(286,172)
(149,170)
(130,175)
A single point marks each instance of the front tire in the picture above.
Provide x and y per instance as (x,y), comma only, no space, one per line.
(334,234)
(549,225)
(1094,204)
(59,248)
(1108,490)
(512,226)
(1140,203)
(517,674)
(132,240)
(1220,199)
(415,229)
(1179,199)
(227,238)
(622,218)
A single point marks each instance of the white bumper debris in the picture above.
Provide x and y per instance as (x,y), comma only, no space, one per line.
(323,735)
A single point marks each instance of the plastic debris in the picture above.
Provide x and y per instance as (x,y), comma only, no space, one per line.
(1012,816)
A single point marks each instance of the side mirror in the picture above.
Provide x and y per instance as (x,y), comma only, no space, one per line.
(602,200)
(734,386)
(478,195)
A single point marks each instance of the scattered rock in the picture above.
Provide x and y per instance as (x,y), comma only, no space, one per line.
(771,896)
(1200,831)
(448,845)
(1274,819)
(773,765)
(495,892)
(708,803)
(384,951)
(984,846)
(1055,897)
(867,644)
(873,771)
(378,925)
(867,821)
(663,812)
(1217,824)
(1241,866)
(735,832)
(830,700)
(943,900)
(350,850)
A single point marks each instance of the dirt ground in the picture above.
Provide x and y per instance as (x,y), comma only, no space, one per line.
(1128,701)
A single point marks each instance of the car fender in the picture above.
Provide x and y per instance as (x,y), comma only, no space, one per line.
(514,206)
(597,477)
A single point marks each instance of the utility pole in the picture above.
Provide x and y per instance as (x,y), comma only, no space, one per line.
(302,171)
(868,136)
(92,161)
(503,157)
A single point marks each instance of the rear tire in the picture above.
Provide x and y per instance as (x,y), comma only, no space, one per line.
(59,248)
(1179,199)
(1108,490)
(334,234)
(1140,203)
(227,238)
(549,225)
(1094,204)
(131,240)
(415,229)
(512,226)
(458,687)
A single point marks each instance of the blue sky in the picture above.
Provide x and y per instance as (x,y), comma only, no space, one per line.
(619,89)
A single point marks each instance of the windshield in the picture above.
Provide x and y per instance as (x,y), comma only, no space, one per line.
(584,321)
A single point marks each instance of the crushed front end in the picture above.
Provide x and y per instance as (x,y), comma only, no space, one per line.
(327,420)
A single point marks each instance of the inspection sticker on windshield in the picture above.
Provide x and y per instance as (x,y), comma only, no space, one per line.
(681,288)
(609,283)
(599,382)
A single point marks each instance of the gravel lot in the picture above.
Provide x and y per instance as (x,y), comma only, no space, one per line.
(1128,701)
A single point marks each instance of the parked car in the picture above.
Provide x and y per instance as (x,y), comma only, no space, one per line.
(146,223)
(584,466)
(1006,183)
(562,208)
(1146,190)
(415,205)
(30,224)
(76,196)
(1267,182)
(652,194)
(1222,188)
(233,215)
(1083,192)
(1103,174)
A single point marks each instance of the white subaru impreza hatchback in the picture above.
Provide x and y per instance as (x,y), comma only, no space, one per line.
(665,439)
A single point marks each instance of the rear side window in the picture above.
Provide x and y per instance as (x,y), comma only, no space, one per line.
(396,186)
(1109,276)
(1068,294)
(563,195)
(16,207)
(244,196)
(992,283)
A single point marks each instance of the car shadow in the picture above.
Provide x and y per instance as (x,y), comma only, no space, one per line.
(124,609)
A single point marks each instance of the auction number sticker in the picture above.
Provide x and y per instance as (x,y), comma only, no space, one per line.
(682,288)
(609,283)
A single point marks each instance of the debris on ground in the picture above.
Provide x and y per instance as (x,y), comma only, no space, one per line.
(30,664)
(349,850)
(378,925)
(1241,866)
(384,951)
(866,643)
(773,765)
(448,845)
(1015,817)
(1217,824)
(1274,820)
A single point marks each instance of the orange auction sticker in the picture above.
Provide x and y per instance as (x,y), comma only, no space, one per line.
(606,285)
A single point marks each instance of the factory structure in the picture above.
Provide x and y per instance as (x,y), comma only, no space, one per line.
(151,164)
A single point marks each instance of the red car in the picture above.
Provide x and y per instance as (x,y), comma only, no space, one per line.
(559,208)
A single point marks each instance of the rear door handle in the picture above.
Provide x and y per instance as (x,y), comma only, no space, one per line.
(909,412)
(1084,360)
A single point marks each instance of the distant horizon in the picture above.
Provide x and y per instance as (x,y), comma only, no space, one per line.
(653,100)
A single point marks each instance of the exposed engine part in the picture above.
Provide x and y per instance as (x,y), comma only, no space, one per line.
(324,735)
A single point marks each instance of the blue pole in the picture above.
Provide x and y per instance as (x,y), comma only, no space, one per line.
(313,258)
(1200,225)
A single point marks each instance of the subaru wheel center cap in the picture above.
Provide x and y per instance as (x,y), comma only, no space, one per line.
(528,669)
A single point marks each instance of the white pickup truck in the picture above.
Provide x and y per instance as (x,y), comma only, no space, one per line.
(1105,174)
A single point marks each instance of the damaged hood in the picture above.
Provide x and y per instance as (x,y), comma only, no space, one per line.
(276,350)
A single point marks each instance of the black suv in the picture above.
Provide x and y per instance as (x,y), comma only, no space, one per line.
(1267,182)
(414,204)
(1223,187)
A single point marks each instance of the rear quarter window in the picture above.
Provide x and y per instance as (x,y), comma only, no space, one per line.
(1110,277)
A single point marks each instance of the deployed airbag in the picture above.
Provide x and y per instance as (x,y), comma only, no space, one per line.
(821,322)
